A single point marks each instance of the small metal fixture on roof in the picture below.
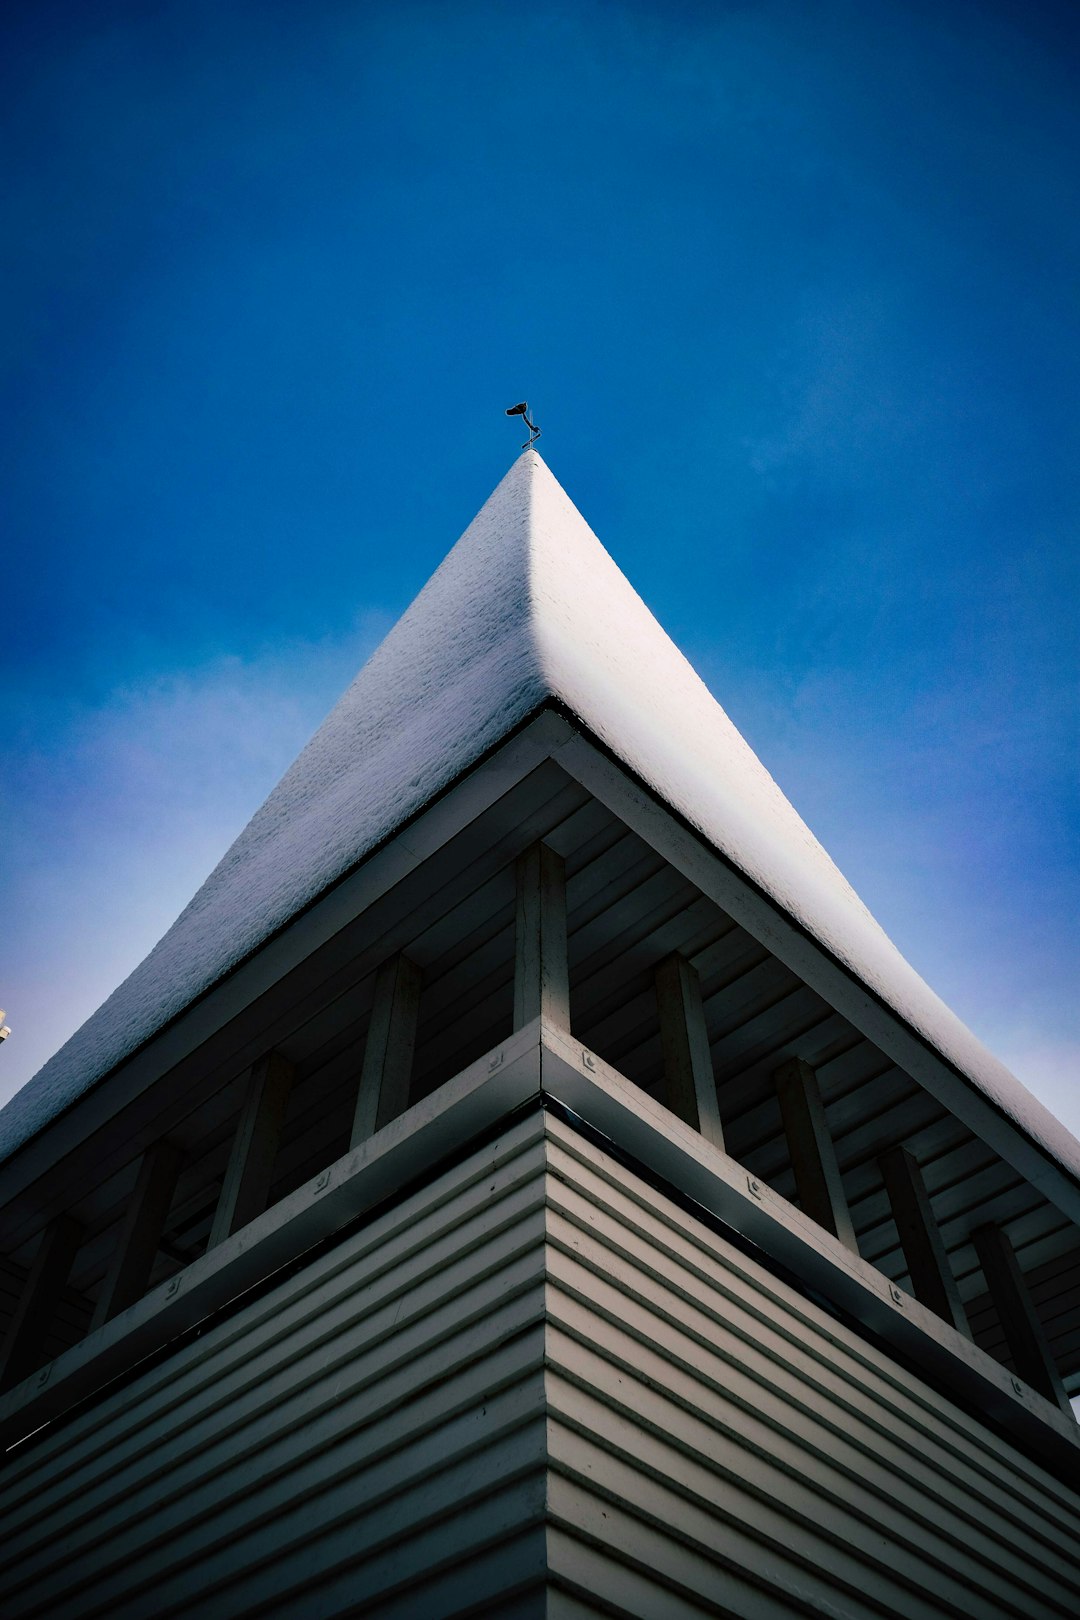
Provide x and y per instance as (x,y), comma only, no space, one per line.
(522,410)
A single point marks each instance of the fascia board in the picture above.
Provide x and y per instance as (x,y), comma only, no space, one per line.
(650,1135)
(544,1062)
(475,791)
(412,1146)
(551,734)
(609,781)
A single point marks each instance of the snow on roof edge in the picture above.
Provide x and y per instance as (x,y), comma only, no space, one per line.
(527,609)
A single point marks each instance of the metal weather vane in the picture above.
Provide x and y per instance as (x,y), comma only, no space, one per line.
(522,410)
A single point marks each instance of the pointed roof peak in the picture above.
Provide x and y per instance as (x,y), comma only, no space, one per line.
(527,608)
(525,469)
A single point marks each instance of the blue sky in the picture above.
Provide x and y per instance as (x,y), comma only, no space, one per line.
(793,290)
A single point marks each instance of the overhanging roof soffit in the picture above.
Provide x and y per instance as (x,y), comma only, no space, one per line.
(526,788)
(527,609)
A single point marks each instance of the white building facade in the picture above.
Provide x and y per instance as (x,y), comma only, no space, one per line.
(527,1181)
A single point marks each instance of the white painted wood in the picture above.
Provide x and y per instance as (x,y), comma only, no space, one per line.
(52,1197)
(471,1103)
(1023,1330)
(388,1052)
(813,1157)
(387,1400)
(451,813)
(924,1252)
(294,1165)
(764,921)
(433,1128)
(136,1244)
(631,1589)
(690,1086)
(787,1474)
(560,1604)
(390,1274)
(643,1128)
(640,1519)
(808,1451)
(752,1349)
(536,1368)
(39,1299)
(250,1170)
(700,1405)
(386,1443)
(541,973)
(482,1506)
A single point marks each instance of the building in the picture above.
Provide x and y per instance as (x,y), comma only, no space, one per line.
(526,1181)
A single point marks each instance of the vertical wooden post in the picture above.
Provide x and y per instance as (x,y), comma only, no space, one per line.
(689,1082)
(813,1157)
(140,1232)
(1023,1330)
(251,1163)
(34,1313)
(388,1053)
(927,1262)
(541,973)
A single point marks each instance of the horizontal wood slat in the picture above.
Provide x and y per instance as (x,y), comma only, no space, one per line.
(409,1351)
(535,1386)
(674,1363)
(628,908)
(399,1251)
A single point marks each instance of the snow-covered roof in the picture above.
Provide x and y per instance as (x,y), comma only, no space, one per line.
(528,606)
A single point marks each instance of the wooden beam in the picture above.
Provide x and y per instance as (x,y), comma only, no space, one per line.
(689,1081)
(813,1157)
(140,1233)
(246,1187)
(45,1282)
(388,1052)
(920,1238)
(1023,1331)
(541,973)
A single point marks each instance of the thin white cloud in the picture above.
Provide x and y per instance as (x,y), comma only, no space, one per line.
(120,811)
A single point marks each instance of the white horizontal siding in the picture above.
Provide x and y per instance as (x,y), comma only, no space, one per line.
(379,1409)
(534,1388)
(607,1557)
(691,1390)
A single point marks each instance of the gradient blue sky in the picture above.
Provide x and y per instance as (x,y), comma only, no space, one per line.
(793,289)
